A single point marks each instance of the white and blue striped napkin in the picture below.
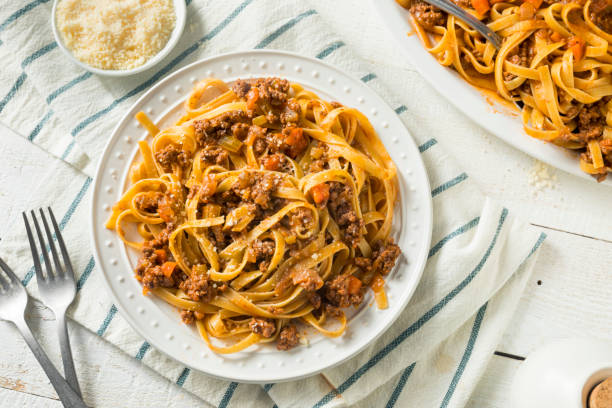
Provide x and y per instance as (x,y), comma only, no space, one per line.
(479,262)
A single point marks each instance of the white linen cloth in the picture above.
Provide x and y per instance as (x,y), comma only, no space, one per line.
(480,259)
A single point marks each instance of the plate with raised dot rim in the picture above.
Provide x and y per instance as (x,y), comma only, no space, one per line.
(159,323)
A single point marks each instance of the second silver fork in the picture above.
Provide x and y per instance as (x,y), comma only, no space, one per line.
(57,287)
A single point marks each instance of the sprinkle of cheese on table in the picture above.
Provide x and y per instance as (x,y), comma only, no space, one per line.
(115,34)
(540,178)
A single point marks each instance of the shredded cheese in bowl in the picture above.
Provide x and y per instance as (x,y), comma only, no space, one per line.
(115,34)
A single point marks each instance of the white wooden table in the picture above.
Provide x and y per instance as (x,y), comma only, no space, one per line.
(568,295)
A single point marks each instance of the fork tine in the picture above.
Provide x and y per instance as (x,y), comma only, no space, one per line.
(37,267)
(59,271)
(43,248)
(4,284)
(10,273)
(60,241)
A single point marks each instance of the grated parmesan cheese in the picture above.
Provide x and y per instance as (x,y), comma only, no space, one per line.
(115,34)
(540,178)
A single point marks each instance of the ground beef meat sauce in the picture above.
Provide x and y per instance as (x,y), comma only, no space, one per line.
(148,202)
(189,316)
(308,279)
(341,208)
(173,156)
(261,252)
(279,145)
(288,338)
(277,162)
(199,288)
(263,327)
(344,291)
(211,130)
(257,187)
(600,12)
(427,15)
(150,269)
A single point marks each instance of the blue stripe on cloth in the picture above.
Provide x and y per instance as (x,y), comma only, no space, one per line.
(68,150)
(86,273)
(368,77)
(400,386)
(466,227)
(427,145)
(71,209)
(11,93)
(401,109)
(466,356)
(228,395)
(109,317)
(39,53)
(143,350)
(19,13)
(541,239)
(268,387)
(282,29)
(329,49)
(67,86)
(39,126)
(75,203)
(167,68)
(448,184)
(183,377)
(419,323)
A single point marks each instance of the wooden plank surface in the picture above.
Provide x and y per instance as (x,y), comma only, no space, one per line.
(572,299)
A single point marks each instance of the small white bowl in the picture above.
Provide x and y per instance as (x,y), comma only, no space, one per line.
(181,15)
(561,374)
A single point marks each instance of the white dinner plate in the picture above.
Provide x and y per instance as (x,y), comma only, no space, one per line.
(482,109)
(160,324)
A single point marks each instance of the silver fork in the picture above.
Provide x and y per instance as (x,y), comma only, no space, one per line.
(13,303)
(482,28)
(57,288)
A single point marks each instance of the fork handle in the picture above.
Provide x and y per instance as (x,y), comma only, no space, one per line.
(67,360)
(67,396)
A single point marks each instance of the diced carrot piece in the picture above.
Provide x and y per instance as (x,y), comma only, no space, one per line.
(556,37)
(145,290)
(320,193)
(296,141)
(578,47)
(252,98)
(295,136)
(481,6)
(527,11)
(272,162)
(536,3)
(209,185)
(164,209)
(161,255)
(168,268)
(354,285)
